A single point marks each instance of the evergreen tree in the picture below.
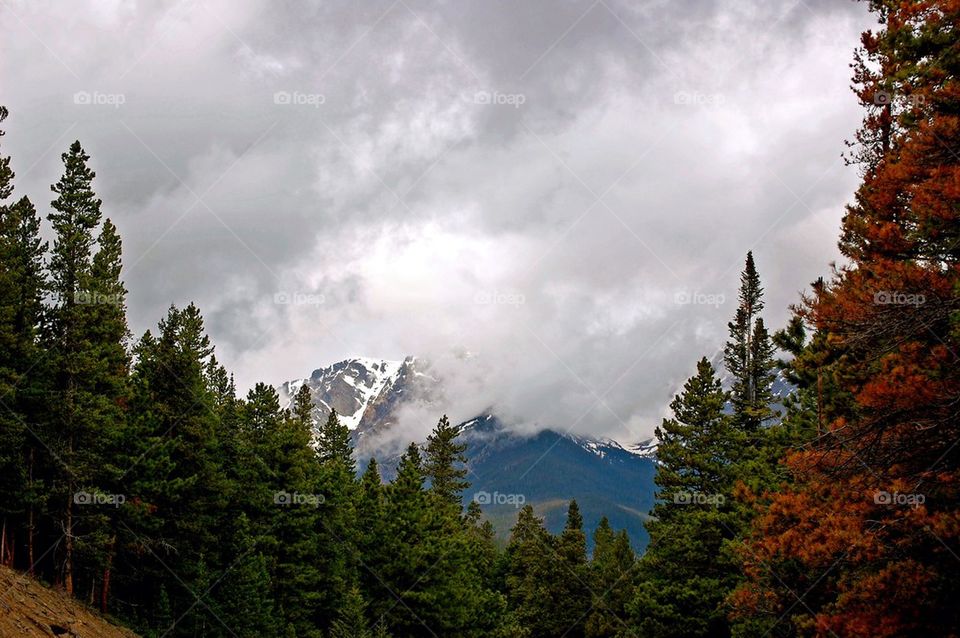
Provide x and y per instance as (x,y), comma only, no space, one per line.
(6,173)
(748,355)
(337,559)
(87,330)
(568,579)
(22,286)
(370,529)
(352,621)
(179,477)
(528,555)
(426,560)
(304,577)
(611,582)
(333,442)
(243,596)
(688,568)
(445,462)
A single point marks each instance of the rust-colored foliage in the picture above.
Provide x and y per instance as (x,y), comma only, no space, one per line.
(866,539)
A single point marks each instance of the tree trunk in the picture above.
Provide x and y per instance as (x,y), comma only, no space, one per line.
(105,585)
(30,519)
(68,546)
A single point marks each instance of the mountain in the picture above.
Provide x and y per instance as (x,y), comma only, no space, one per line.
(507,468)
(366,393)
(548,468)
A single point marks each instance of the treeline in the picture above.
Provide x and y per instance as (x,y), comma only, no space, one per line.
(135,479)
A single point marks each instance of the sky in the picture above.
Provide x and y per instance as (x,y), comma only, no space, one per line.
(549,200)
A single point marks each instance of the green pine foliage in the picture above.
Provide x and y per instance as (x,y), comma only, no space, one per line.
(688,569)
(611,579)
(445,464)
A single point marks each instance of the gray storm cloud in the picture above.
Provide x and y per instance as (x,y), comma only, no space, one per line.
(565,191)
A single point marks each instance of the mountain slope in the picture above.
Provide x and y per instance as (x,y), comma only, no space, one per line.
(28,608)
(365,392)
(548,469)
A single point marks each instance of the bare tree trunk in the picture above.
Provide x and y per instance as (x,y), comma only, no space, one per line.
(819,403)
(105,585)
(68,545)
(30,520)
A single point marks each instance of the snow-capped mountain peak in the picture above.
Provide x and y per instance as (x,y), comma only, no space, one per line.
(364,391)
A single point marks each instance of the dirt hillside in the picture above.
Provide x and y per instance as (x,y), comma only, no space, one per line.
(28,608)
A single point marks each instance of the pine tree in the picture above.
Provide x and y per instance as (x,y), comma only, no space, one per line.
(337,558)
(568,578)
(179,477)
(445,463)
(6,173)
(88,362)
(108,336)
(305,578)
(352,621)
(528,556)
(748,355)
(22,286)
(884,355)
(243,596)
(688,568)
(333,442)
(611,582)
(372,550)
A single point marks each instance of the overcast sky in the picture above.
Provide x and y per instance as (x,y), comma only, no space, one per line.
(550,200)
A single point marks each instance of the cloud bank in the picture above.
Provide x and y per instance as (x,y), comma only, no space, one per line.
(549,200)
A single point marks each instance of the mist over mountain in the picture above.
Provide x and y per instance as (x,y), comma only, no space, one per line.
(381,401)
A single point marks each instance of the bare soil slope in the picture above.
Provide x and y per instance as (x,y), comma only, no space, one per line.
(29,608)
